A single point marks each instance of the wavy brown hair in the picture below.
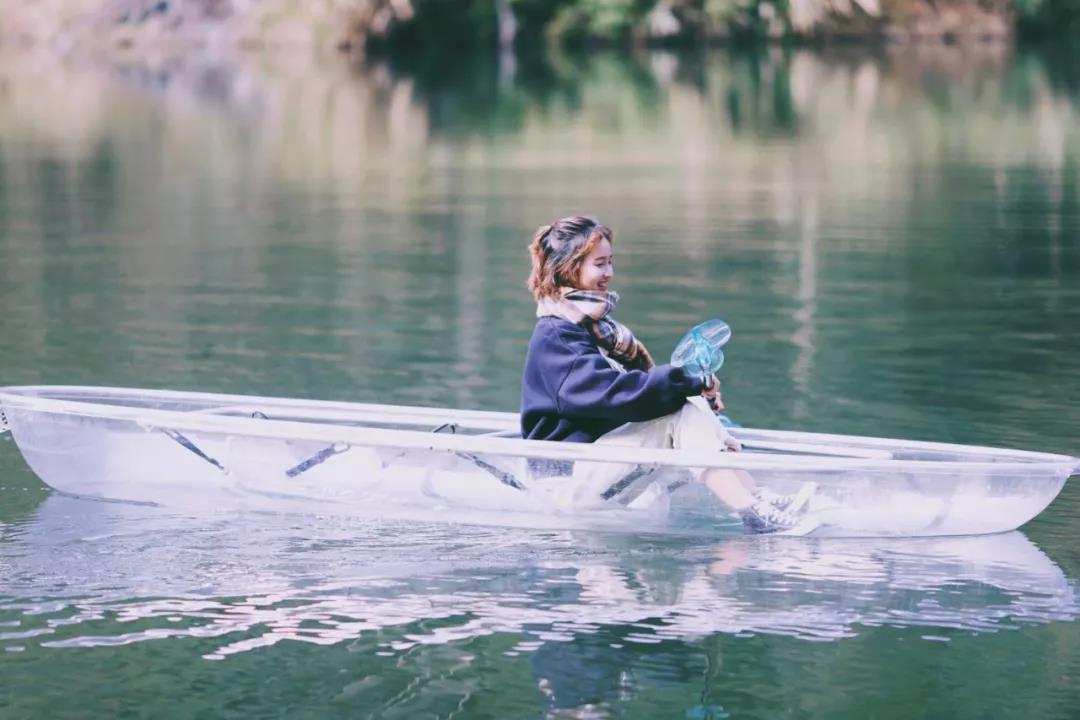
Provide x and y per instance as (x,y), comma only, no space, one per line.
(559,250)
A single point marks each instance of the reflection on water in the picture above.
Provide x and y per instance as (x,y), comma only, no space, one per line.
(576,613)
(255,581)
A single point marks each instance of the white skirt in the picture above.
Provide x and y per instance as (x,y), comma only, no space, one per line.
(693,426)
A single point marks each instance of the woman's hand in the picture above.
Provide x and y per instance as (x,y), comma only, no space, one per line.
(711,393)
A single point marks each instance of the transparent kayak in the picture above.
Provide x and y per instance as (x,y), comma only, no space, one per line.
(202,450)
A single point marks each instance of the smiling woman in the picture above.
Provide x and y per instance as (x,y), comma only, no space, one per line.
(598,267)
(588,379)
(573,252)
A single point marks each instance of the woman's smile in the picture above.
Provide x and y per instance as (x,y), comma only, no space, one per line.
(598,268)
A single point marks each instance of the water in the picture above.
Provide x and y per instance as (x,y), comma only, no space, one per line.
(892,236)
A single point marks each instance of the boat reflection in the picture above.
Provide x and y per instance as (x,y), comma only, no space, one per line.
(255,580)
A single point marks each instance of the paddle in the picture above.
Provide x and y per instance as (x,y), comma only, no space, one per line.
(700,352)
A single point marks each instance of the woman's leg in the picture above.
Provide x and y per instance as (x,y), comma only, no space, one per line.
(734,488)
(697,428)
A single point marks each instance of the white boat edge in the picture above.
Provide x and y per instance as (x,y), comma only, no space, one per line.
(36,398)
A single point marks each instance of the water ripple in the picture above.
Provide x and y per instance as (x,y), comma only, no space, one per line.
(229,580)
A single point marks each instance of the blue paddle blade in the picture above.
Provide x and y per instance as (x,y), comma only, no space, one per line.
(727,422)
(699,350)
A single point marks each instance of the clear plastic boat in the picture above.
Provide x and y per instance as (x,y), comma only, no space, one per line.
(206,450)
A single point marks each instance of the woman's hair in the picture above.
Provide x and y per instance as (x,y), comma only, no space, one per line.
(559,250)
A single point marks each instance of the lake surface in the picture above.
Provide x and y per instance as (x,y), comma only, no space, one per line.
(893,236)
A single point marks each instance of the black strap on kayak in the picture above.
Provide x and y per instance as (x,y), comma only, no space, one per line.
(677,484)
(5,425)
(504,477)
(187,444)
(636,474)
(317,459)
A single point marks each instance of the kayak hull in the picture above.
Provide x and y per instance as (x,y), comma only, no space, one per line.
(209,451)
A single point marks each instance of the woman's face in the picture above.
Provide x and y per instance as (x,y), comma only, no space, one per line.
(598,268)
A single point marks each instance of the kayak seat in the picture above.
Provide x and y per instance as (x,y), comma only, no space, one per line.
(538,468)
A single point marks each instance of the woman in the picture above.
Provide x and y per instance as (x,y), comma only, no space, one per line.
(588,379)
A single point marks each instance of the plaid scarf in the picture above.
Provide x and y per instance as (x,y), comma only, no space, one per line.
(592,309)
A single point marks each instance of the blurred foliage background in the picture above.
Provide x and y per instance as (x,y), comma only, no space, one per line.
(442,25)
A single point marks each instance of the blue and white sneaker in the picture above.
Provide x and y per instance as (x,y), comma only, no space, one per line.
(793,503)
(763,517)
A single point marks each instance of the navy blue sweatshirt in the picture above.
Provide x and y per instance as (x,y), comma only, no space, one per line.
(570,392)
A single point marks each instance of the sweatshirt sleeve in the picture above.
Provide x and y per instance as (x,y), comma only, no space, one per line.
(591,388)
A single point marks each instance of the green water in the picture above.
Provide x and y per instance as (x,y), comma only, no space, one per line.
(892,235)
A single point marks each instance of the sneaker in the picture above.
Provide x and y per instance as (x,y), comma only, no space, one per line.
(763,517)
(792,503)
